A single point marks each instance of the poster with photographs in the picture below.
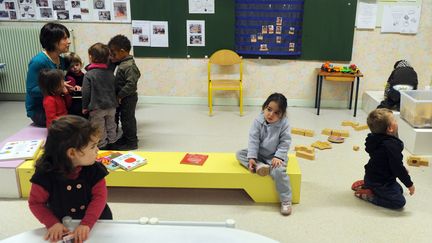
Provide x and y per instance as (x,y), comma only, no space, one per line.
(141,33)
(159,33)
(66,10)
(8,10)
(195,30)
(27,9)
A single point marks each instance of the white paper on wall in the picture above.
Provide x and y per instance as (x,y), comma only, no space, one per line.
(27,10)
(195,32)
(159,34)
(79,10)
(366,14)
(400,19)
(141,33)
(201,6)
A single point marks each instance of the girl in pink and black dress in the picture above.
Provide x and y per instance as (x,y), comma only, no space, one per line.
(67,181)
(74,77)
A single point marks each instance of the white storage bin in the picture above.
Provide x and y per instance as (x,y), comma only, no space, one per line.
(416,107)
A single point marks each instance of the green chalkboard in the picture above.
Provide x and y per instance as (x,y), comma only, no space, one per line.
(328,29)
(327,32)
(219,27)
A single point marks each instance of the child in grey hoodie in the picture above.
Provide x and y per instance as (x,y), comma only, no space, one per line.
(269,142)
(98,95)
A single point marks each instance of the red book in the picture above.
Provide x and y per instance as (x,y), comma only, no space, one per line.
(194,159)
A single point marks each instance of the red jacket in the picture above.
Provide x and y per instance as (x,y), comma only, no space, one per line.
(56,106)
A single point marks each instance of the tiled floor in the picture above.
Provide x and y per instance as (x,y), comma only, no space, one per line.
(328,211)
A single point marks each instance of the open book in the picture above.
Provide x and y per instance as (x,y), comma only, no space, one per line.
(26,149)
(106,158)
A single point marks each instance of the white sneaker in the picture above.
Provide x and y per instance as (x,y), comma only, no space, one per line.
(286,208)
(262,169)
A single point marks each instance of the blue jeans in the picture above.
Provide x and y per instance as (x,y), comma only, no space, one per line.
(388,195)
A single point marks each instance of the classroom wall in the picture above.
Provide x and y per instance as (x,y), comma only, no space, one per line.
(166,80)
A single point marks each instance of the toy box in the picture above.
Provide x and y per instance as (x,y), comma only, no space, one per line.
(416,107)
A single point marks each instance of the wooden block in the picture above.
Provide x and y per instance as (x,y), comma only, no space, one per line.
(305,155)
(298,131)
(303,132)
(309,133)
(304,148)
(349,123)
(321,145)
(327,131)
(342,133)
(417,161)
(334,132)
(361,127)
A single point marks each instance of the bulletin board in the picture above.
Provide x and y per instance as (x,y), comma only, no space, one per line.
(219,27)
(327,29)
(66,10)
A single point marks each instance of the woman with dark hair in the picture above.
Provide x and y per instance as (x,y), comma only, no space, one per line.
(54,39)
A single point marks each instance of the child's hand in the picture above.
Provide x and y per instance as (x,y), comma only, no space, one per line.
(67,86)
(411,190)
(56,232)
(81,233)
(252,165)
(276,162)
(84,111)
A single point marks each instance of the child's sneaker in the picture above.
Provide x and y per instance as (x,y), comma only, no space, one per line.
(262,169)
(286,208)
(357,185)
(365,194)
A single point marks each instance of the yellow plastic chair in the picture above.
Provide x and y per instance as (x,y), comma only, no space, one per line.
(225,57)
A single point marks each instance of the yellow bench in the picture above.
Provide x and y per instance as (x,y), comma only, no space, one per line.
(163,169)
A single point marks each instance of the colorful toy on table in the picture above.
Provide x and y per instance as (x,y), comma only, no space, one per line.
(328,67)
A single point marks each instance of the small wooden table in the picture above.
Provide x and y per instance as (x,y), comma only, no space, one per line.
(336,77)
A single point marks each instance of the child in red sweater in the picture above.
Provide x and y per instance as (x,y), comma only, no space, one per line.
(56,97)
(67,181)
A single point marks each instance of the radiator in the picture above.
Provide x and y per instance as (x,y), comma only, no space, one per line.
(17,46)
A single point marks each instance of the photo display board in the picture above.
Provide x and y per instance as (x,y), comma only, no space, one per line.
(269,27)
(66,10)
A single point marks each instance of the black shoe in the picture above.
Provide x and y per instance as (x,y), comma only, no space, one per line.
(127,147)
(106,147)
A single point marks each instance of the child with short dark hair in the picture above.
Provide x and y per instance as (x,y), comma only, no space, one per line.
(269,142)
(74,77)
(56,97)
(127,75)
(385,164)
(98,94)
(67,181)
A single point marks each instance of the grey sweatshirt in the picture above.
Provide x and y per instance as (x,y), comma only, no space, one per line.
(269,140)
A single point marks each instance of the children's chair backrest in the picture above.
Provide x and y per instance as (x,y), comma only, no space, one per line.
(225,57)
